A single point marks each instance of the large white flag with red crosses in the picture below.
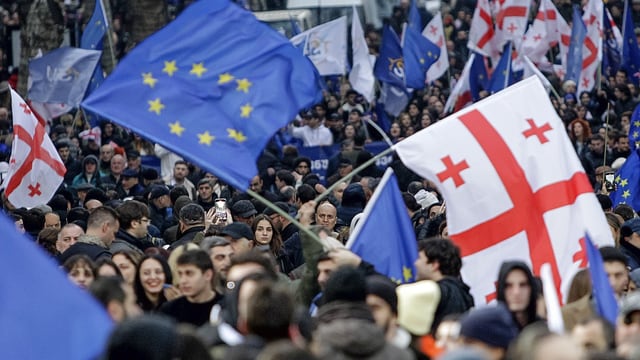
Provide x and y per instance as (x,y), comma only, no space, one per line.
(35,168)
(513,186)
(481,33)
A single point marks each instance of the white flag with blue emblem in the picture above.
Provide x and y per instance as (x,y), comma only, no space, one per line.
(326,46)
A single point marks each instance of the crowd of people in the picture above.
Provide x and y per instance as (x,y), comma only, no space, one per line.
(189,267)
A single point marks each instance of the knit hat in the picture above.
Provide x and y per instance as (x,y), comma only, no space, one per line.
(382,287)
(237,230)
(425,198)
(243,209)
(492,325)
(417,303)
(157,191)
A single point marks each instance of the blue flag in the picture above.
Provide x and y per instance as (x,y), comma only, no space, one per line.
(389,67)
(611,56)
(208,93)
(95,30)
(419,54)
(385,237)
(630,51)
(502,75)
(628,182)
(606,304)
(43,315)
(478,77)
(415,21)
(383,119)
(634,128)
(574,57)
(92,39)
(62,75)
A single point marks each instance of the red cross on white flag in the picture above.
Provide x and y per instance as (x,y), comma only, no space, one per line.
(35,170)
(434,31)
(513,184)
(481,33)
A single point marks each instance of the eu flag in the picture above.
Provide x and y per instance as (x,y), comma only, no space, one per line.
(389,67)
(419,54)
(385,237)
(628,183)
(574,57)
(478,77)
(611,56)
(415,21)
(93,33)
(214,85)
(630,51)
(43,315)
(502,75)
(606,304)
(634,128)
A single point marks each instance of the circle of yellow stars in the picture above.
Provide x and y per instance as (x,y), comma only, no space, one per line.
(198,70)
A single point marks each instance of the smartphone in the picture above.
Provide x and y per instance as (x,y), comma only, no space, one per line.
(221,208)
(609,180)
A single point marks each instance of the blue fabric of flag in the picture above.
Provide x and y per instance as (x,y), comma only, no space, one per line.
(627,183)
(419,54)
(42,314)
(611,53)
(385,237)
(209,93)
(502,75)
(630,51)
(606,304)
(574,57)
(62,75)
(478,77)
(389,67)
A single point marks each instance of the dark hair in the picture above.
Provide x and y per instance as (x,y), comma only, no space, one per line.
(101,215)
(445,252)
(625,211)
(176,192)
(270,311)
(131,211)
(286,176)
(301,159)
(198,258)
(78,260)
(143,301)
(275,245)
(107,289)
(410,202)
(47,239)
(106,261)
(78,213)
(305,193)
(612,254)
(192,214)
(257,257)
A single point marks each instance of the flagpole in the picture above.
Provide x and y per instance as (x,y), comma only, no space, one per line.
(380,131)
(606,135)
(353,172)
(112,51)
(274,207)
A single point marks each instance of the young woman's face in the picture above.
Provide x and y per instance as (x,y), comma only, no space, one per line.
(127,268)
(152,276)
(81,275)
(349,131)
(395,130)
(264,232)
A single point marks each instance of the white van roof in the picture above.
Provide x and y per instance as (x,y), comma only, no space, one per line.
(281,15)
(302,4)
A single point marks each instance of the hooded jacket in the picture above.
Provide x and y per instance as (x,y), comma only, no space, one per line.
(505,269)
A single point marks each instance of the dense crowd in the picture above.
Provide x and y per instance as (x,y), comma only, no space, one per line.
(172,244)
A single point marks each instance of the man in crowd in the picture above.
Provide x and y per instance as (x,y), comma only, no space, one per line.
(102,226)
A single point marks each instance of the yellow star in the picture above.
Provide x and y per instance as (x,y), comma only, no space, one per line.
(225,78)
(176,128)
(624,182)
(170,67)
(236,135)
(156,106)
(617,179)
(626,194)
(198,69)
(422,61)
(148,79)
(243,85)
(246,110)
(636,123)
(407,273)
(206,138)
(635,135)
